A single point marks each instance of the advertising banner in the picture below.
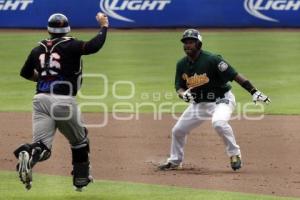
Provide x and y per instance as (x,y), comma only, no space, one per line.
(153,13)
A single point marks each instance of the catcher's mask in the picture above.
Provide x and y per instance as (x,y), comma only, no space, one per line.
(192,34)
(58,24)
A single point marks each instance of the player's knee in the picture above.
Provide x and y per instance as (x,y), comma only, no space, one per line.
(37,152)
(40,152)
(86,131)
(219,125)
(178,132)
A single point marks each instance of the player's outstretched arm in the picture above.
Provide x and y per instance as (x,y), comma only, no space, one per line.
(96,43)
(256,94)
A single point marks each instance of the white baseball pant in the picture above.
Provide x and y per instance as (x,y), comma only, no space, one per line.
(195,115)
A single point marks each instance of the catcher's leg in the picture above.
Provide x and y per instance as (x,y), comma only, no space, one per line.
(28,155)
(81,165)
(76,134)
(22,153)
(43,134)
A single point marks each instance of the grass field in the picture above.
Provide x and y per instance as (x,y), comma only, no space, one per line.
(57,188)
(147,60)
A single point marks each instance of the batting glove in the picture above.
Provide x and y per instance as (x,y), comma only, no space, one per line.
(188,96)
(259,96)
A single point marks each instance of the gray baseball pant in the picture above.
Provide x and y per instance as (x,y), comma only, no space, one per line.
(57,111)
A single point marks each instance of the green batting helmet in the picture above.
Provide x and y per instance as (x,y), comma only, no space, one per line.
(191,34)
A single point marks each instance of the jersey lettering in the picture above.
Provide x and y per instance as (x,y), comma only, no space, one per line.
(52,67)
(196,80)
(49,71)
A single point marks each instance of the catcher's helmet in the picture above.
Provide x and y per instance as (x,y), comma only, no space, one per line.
(58,24)
(191,34)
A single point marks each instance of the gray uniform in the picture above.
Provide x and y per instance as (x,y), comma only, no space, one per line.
(56,65)
(59,66)
(56,111)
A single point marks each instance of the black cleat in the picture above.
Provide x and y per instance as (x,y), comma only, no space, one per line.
(236,162)
(170,166)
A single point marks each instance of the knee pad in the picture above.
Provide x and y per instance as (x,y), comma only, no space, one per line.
(23,147)
(37,152)
(40,152)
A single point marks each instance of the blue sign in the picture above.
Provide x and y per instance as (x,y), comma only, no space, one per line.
(153,13)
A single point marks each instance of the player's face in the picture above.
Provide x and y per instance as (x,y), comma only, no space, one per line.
(190,47)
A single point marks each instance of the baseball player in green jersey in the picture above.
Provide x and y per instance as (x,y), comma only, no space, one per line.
(202,80)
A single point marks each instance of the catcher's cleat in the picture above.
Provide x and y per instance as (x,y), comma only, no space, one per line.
(80,188)
(81,175)
(170,166)
(236,162)
(24,169)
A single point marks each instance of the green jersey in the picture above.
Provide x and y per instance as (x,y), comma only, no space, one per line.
(208,75)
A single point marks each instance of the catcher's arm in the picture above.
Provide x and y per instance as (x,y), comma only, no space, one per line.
(247,85)
(34,76)
(28,70)
(96,43)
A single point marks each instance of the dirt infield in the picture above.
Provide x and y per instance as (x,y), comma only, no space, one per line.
(131,151)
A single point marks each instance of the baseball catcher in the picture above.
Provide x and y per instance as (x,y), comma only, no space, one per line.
(55,65)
